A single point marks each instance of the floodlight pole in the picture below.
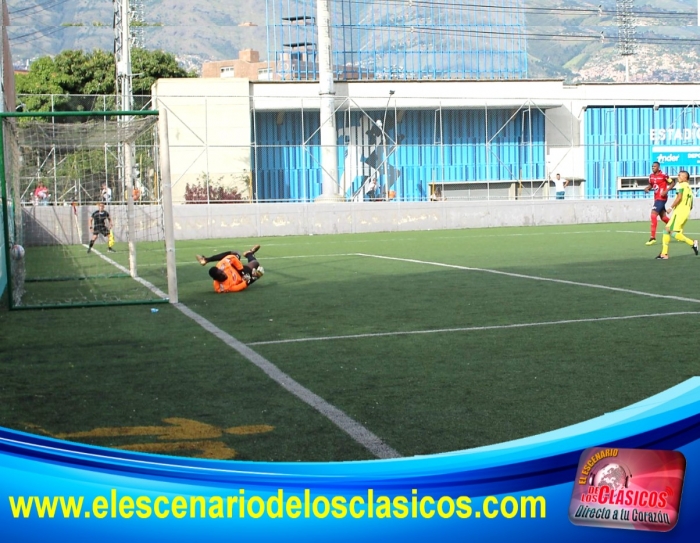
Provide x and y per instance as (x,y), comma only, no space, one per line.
(626,33)
(122,54)
(328,131)
(122,57)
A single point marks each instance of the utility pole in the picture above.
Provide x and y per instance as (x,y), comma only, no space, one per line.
(122,55)
(328,131)
(626,41)
(125,102)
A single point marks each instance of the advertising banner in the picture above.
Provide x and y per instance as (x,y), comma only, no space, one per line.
(676,155)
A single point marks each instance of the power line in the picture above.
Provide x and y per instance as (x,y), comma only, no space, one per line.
(39,7)
(489,8)
(43,32)
(460,31)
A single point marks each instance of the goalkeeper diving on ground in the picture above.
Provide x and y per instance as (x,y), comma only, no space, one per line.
(230,274)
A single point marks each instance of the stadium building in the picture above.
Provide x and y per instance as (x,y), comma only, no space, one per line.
(475,139)
(419,112)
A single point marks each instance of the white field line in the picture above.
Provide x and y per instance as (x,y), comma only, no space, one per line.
(353,428)
(328,239)
(121,268)
(537,278)
(477,328)
(659,231)
(216,249)
(467,238)
(194,262)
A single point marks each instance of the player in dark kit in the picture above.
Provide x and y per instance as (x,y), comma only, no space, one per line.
(660,184)
(101,224)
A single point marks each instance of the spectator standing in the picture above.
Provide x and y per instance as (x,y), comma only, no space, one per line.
(560,187)
(41,194)
(106,194)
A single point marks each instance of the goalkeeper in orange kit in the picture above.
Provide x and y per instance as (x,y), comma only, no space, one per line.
(230,274)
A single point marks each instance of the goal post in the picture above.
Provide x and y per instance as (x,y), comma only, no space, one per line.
(63,172)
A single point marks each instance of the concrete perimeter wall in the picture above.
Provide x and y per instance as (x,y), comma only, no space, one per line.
(200,221)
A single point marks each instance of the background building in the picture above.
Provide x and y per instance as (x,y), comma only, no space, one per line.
(495,140)
(248,66)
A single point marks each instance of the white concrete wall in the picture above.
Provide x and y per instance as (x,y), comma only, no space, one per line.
(52,225)
(45,223)
(209,130)
(259,220)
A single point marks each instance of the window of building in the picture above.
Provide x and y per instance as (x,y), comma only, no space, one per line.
(265,74)
(227,71)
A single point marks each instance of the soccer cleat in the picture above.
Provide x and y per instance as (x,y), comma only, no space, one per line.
(695,247)
(651,241)
(89,250)
(252,251)
(662,257)
(110,250)
(201,260)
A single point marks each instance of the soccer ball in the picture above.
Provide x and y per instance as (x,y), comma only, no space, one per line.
(17,252)
(259,271)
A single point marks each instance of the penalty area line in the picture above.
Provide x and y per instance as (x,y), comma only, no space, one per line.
(476,328)
(292,257)
(350,426)
(538,278)
(150,286)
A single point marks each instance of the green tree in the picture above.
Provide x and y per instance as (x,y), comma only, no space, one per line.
(75,72)
(153,65)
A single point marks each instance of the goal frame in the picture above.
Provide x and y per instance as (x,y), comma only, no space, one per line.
(166,202)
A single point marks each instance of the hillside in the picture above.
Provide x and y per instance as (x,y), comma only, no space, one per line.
(193,31)
(657,57)
(209,30)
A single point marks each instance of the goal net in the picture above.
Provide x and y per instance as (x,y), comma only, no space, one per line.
(69,172)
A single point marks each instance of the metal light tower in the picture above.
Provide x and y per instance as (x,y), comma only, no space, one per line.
(626,33)
(122,55)
(326,91)
(137,18)
(125,102)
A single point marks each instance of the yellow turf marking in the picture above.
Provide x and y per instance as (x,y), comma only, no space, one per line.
(177,436)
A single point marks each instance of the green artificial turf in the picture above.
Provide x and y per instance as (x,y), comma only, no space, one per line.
(454,341)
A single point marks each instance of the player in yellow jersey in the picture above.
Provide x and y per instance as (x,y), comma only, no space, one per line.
(681,211)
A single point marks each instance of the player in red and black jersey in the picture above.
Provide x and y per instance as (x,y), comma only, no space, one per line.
(660,183)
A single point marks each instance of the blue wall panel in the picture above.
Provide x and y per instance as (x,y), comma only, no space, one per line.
(618,143)
(424,147)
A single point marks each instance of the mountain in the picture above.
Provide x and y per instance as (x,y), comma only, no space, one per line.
(667,41)
(194,31)
(569,39)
